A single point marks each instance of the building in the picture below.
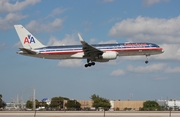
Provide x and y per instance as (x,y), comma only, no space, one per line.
(85,103)
(48,101)
(116,104)
(128,105)
(173,104)
(15,106)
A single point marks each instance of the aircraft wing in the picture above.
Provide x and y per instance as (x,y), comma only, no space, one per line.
(28,51)
(89,51)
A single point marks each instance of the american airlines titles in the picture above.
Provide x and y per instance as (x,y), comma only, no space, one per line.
(133,45)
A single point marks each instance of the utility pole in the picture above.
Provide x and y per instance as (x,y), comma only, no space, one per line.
(104,112)
(17,103)
(34,100)
(131,96)
(175,104)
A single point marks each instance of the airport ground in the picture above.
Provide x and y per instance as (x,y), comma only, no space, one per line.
(89,114)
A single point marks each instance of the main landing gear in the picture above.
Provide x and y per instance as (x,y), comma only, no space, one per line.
(146,59)
(89,64)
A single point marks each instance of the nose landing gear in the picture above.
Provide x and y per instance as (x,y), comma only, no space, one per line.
(146,62)
(146,59)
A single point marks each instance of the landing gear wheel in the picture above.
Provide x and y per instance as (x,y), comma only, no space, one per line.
(93,63)
(146,59)
(146,62)
(89,64)
(86,65)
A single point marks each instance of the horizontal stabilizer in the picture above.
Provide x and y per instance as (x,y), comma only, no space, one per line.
(28,51)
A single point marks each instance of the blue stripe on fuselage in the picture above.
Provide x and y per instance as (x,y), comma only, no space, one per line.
(98,46)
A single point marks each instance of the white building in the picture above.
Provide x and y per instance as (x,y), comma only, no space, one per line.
(112,105)
(174,104)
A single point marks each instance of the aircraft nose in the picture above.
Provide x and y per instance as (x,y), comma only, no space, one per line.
(162,51)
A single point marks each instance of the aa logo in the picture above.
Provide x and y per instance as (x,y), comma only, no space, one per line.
(29,39)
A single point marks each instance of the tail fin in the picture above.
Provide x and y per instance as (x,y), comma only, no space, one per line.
(26,38)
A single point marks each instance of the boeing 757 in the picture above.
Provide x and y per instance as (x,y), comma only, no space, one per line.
(92,52)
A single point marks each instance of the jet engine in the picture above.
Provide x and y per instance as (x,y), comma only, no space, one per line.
(109,55)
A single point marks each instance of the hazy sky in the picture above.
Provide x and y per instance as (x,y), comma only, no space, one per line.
(57,22)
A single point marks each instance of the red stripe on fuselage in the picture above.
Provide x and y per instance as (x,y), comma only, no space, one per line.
(62,52)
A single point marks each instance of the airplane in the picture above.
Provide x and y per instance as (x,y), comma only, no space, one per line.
(92,52)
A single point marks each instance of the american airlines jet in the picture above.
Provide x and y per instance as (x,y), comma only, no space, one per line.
(93,53)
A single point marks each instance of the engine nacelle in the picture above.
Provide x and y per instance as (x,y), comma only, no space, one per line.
(20,52)
(109,55)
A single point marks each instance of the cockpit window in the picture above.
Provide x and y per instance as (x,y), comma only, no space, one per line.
(156,45)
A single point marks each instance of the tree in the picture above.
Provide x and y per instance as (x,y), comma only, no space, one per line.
(58,102)
(43,104)
(73,105)
(100,102)
(117,109)
(150,106)
(2,103)
(29,104)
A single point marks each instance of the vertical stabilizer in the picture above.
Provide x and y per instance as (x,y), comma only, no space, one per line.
(27,39)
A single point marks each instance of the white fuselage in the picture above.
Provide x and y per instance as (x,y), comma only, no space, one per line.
(76,51)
